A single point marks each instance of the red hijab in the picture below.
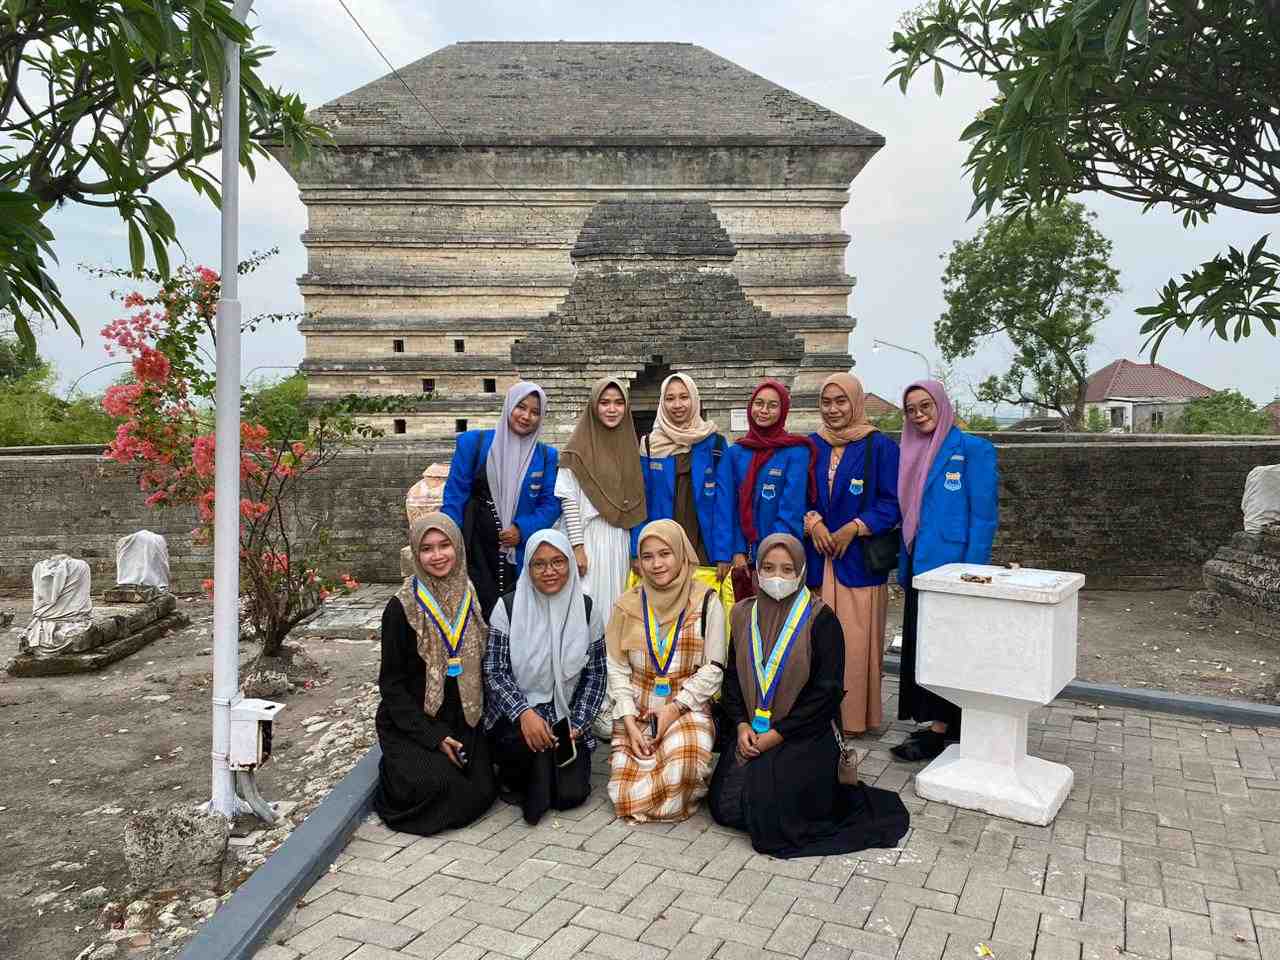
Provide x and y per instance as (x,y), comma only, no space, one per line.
(762,441)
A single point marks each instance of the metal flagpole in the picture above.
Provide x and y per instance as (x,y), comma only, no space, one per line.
(226,530)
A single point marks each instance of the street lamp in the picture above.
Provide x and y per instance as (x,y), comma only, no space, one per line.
(226,484)
(877,344)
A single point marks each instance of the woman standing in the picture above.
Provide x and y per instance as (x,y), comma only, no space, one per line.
(772,472)
(545,664)
(435,772)
(665,649)
(857,473)
(686,476)
(601,492)
(948,490)
(500,491)
(782,692)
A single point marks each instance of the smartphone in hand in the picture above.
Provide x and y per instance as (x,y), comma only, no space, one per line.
(566,749)
(653,726)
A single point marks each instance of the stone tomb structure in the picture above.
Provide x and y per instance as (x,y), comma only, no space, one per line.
(653,293)
(428,260)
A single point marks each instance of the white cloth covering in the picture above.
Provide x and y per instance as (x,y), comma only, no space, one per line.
(608,548)
(550,637)
(142,558)
(59,596)
(1261,503)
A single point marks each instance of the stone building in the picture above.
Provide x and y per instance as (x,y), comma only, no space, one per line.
(437,238)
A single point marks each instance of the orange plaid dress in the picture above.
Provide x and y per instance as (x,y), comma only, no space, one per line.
(669,784)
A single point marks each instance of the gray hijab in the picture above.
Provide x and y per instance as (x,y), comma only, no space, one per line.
(510,456)
(550,636)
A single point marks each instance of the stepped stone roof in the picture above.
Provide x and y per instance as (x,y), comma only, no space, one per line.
(555,93)
(652,228)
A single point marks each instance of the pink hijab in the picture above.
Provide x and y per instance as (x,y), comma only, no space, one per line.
(918,452)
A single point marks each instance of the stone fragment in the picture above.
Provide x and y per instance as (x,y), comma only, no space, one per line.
(93,897)
(178,842)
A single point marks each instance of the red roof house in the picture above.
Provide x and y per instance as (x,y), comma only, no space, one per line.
(1127,380)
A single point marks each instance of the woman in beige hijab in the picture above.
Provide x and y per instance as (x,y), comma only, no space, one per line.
(851,504)
(665,659)
(435,772)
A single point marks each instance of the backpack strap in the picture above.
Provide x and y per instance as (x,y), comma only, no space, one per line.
(706,602)
(868,472)
(508,604)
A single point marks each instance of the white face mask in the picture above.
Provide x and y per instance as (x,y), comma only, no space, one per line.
(779,587)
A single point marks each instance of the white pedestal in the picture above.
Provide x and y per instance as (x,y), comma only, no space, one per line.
(997,650)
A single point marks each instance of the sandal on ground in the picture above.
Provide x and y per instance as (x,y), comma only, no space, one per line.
(927,746)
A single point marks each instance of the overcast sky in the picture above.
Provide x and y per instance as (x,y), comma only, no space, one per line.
(907,208)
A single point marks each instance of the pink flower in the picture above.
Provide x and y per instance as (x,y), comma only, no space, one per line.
(121,400)
(134,300)
(151,366)
(205,506)
(253,509)
(207,586)
(299,449)
(202,455)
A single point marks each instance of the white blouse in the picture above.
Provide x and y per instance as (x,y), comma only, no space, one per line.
(697,690)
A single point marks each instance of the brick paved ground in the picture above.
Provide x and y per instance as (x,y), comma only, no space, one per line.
(1167,849)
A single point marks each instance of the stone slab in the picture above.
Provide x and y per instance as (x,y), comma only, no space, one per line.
(102,656)
(1031,791)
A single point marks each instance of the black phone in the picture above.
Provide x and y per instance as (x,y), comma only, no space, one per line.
(653,726)
(566,749)
(463,759)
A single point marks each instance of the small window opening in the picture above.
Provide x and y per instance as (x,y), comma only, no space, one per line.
(428,385)
(398,426)
(459,346)
(397,346)
(490,385)
(460,426)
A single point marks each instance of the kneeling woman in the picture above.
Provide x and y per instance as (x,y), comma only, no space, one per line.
(783,690)
(544,667)
(665,648)
(435,772)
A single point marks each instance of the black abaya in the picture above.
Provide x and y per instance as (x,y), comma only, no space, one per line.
(789,799)
(487,566)
(419,789)
(542,785)
(914,701)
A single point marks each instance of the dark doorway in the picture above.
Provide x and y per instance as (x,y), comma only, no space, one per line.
(644,394)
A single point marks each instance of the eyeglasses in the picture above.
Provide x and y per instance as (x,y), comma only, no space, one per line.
(766,405)
(558,565)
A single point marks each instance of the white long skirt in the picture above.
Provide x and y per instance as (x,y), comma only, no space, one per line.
(608,549)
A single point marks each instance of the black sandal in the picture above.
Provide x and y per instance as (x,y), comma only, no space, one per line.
(927,746)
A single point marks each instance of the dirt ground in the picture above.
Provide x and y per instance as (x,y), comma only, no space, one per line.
(78,754)
(1152,639)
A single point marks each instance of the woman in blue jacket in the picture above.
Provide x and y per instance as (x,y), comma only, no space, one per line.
(772,472)
(686,475)
(857,477)
(947,489)
(501,491)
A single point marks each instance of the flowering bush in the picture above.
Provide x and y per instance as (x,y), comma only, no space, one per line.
(168,431)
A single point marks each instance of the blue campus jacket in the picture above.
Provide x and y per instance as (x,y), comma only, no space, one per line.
(537,509)
(778,501)
(841,505)
(713,493)
(959,509)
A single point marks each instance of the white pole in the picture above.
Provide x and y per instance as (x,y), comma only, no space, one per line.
(226,484)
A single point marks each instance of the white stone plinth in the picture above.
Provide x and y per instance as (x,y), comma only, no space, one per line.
(997,650)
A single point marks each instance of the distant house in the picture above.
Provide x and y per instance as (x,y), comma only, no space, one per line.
(1272,410)
(877,407)
(1140,397)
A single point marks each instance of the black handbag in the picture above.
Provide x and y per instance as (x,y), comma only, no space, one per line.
(879,551)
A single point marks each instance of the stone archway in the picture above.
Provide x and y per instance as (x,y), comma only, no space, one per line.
(644,394)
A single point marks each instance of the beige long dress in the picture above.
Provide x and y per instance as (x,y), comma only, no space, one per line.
(861,612)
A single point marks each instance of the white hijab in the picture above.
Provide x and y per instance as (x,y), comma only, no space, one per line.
(550,636)
(510,456)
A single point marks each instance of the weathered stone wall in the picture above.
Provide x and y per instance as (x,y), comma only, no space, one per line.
(1128,513)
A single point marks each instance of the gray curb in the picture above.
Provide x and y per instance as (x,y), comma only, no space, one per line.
(1162,701)
(241,925)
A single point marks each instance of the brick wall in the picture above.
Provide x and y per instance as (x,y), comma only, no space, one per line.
(1127,513)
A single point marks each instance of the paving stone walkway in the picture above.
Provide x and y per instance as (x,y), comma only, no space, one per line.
(1167,849)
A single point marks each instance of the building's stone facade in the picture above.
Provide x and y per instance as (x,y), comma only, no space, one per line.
(416,243)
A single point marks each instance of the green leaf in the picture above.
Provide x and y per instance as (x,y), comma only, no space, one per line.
(1140,24)
(937,78)
(121,67)
(137,251)
(1118,32)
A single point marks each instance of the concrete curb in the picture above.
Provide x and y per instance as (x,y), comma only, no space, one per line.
(1162,701)
(241,925)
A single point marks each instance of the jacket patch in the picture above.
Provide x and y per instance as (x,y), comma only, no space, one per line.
(952,480)
(769,491)
(655,464)
(775,471)
(957,456)
(856,485)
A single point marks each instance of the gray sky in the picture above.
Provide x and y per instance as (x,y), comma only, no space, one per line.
(907,208)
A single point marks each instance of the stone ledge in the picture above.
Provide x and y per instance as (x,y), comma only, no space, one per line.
(102,656)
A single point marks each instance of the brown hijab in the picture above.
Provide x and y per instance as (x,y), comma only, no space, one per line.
(773,614)
(606,462)
(449,592)
(859,426)
(626,626)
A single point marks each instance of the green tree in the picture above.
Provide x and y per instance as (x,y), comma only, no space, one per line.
(1226,412)
(1096,421)
(1043,281)
(31,414)
(99,101)
(1170,104)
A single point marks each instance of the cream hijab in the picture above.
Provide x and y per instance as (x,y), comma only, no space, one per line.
(668,440)
(626,626)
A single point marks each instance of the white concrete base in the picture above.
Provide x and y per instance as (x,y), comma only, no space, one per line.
(1032,790)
